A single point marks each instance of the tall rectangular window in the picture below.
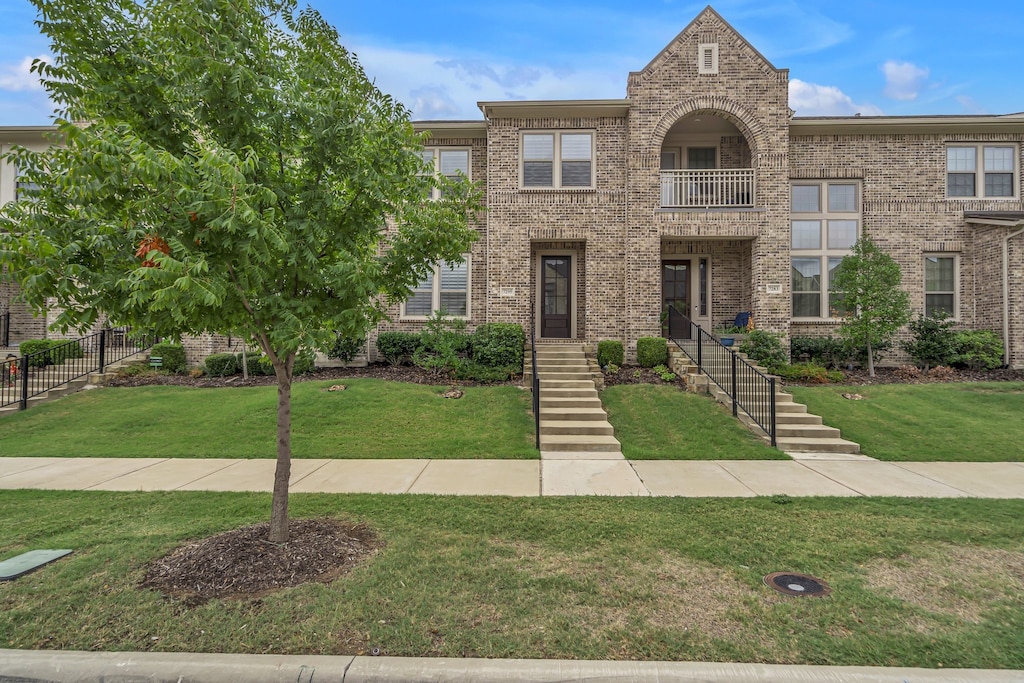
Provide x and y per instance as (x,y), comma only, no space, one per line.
(981,171)
(452,163)
(445,288)
(825,226)
(557,160)
(940,290)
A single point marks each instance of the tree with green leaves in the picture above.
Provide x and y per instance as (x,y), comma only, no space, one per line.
(224,166)
(868,285)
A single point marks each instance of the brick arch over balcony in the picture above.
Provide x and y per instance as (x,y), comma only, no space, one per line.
(723,107)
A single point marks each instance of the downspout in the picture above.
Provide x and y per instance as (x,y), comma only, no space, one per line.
(1006,295)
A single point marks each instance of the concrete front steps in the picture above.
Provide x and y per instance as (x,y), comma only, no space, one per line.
(572,418)
(797,431)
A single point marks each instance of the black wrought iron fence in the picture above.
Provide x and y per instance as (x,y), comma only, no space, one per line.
(749,389)
(36,373)
(536,390)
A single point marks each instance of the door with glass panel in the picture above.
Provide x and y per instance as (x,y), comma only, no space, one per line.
(556,300)
(675,295)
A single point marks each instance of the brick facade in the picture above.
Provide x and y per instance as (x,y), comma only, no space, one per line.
(733,106)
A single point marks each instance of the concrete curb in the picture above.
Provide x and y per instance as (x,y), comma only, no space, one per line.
(31,666)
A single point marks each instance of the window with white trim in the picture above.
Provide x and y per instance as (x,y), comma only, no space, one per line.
(451,162)
(825,225)
(981,171)
(558,159)
(445,289)
(21,186)
(940,289)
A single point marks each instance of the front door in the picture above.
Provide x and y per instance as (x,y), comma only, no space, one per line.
(675,292)
(556,301)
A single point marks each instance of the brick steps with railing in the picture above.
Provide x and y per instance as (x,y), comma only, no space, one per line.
(796,430)
(572,418)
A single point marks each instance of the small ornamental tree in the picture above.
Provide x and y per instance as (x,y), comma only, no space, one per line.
(231,170)
(868,286)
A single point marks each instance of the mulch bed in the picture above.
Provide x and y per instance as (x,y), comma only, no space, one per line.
(635,375)
(243,564)
(394,373)
(908,375)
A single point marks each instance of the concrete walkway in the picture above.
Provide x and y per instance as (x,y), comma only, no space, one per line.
(817,476)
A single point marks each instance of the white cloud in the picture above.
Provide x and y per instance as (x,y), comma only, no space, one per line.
(18,77)
(811,99)
(903,80)
(970,105)
(449,85)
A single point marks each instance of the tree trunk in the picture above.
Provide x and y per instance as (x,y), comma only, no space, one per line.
(871,361)
(282,475)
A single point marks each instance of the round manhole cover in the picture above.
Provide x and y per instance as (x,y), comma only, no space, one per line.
(797,584)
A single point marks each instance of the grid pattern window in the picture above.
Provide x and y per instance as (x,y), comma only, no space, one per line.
(825,225)
(981,171)
(449,162)
(558,160)
(940,290)
(445,289)
(22,186)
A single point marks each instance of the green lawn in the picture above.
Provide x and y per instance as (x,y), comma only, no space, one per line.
(660,422)
(923,583)
(371,419)
(979,422)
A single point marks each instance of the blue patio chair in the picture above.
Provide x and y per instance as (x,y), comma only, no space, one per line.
(742,320)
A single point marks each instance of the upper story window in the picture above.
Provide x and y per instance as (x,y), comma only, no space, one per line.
(22,186)
(558,160)
(825,226)
(447,161)
(981,171)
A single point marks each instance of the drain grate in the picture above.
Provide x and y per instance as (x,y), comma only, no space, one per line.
(797,584)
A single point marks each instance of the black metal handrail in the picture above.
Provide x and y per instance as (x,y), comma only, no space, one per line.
(749,389)
(5,328)
(36,373)
(536,389)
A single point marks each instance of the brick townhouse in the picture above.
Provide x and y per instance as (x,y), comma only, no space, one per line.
(702,190)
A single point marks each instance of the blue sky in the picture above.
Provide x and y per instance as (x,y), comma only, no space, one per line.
(899,57)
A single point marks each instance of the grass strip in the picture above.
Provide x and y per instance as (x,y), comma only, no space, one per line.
(924,583)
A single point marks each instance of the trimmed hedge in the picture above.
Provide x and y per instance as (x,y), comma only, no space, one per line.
(222,365)
(498,345)
(50,351)
(610,352)
(979,349)
(651,351)
(253,361)
(346,348)
(397,348)
(173,356)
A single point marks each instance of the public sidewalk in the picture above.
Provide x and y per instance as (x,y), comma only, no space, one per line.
(586,474)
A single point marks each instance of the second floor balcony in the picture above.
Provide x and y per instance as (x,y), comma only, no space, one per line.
(707,188)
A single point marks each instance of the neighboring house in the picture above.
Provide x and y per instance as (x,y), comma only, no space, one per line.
(701,190)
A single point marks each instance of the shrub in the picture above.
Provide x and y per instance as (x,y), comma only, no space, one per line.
(37,346)
(397,348)
(346,348)
(173,356)
(478,372)
(765,348)
(803,372)
(934,341)
(611,369)
(651,351)
(664,373)
(222,365)
(979,349)
(610,352)
(305,362)
(256,366)
(442,342)
(498,345)
(827,351)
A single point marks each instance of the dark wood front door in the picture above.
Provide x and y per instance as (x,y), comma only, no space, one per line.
(675,291)
(556,299)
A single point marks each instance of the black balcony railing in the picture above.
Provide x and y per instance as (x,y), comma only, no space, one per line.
(749,389)
(36,373)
